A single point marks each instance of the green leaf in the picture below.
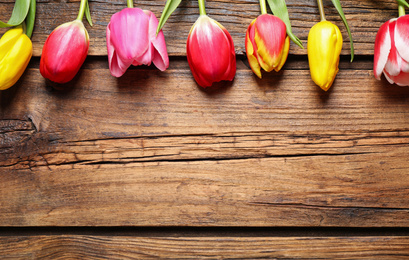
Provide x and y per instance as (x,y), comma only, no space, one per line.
(30,19)
(18,15)
(170,7)
(402,2)
(279,9)
(338,6)
(88,14)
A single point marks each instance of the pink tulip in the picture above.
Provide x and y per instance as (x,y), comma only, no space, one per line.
(210,52)
(132,40)
(392,51)
(64,52)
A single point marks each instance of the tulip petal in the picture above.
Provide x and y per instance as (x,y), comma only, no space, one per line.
(284,56)
(8,40)
(404,66)
(231,70)
(402,36)
(388,77)
(381,49)
(251,53)
(160,54)
(402,79)
(130,26)
(146,57)
(114,67)
(394,63)
(200,79)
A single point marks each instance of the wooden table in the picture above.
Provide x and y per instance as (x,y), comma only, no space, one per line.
(151,165)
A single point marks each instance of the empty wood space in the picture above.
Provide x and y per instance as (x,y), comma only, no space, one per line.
(150,165)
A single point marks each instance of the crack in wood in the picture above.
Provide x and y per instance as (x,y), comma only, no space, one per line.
(263,203)
(125,161)
(55,151)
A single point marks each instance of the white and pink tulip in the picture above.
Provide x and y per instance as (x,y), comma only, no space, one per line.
(391,54)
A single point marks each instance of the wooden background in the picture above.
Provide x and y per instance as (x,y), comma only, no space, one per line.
(150,165)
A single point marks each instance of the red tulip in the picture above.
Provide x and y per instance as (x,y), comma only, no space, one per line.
(391,54)
(64,52)
(267,44)
(210,52)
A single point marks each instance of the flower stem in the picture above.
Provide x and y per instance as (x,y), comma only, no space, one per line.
(401,10)
(202,7)
(263,6)
(129,3)
(321,8)
(81,12)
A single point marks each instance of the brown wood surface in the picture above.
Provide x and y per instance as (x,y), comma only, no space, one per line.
(364,17)
(123,247)
(154,150)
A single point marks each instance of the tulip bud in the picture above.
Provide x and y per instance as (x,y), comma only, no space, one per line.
(324,48)
(391,54)
(210,52)
(132,40)
(267,44)
(64,52)
(15,53)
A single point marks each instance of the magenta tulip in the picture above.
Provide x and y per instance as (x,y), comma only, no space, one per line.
(132,40)
(391,54)
(210,52)
(64,52)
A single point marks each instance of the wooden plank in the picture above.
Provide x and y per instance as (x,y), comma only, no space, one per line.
(147,102)
(364,17)
(103,247)
(360,190)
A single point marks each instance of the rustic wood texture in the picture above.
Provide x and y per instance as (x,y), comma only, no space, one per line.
(154,149)
(109,247)
(364,17)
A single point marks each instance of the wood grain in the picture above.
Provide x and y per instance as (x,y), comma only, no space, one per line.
(154,149)
(147,102)
(364,17)
(345,190)
(109,247)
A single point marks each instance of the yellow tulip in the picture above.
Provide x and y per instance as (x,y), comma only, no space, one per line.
(324,48)
(16,50)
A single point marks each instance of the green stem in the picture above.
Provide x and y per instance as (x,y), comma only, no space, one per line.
(202,7)
(30,19)
(81,12)
(321,8)
(129,3)
(401,10)
(263,6)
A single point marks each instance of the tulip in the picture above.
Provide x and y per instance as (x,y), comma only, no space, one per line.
(324,49)
(267,44)
(391,54)
(16,50)
(131,40)
(64,52)
(210,52)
